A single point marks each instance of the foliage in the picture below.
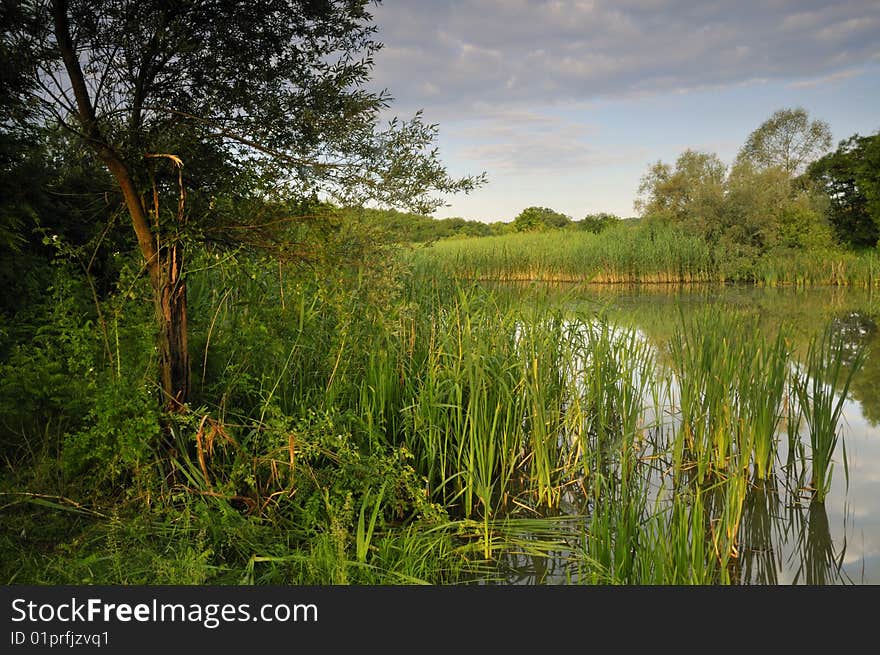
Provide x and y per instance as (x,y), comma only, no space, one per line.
(64,363)
(596,222)
(180,79)
(50,356)
(119,433)
(690,194)
(55,203)
(850,177)
(788,140)
(766,209)
(536,219)
(756,206)
(418,228)
(219,121)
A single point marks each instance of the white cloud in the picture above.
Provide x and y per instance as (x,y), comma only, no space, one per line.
(518,52)
(522,88)
(825,79)
(849,29)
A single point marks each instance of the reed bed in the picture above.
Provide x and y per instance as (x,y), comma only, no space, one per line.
(617,255)
(821,390)
(514,411)
(814,269)
(732,383)
(650,254)
(523,409)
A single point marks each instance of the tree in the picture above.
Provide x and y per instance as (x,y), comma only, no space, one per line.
(753,209)
(851,177)
(532,219)
(788,139)
(201,110)
(765,209)
(16,142)
(596,223)
(690,194)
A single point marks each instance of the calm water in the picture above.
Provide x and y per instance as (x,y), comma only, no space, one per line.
(785,538)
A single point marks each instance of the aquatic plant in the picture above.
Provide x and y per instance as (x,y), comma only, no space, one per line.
(822,386)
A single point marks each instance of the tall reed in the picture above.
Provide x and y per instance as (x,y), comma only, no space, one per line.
(644,254)
(732,381)
(822,386)
(620,254)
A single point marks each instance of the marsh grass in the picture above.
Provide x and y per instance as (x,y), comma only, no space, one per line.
(436,432)
(732,384)
(643,254)
(620,254)
(822,387)
(819,269)
(763,388)
(524,410)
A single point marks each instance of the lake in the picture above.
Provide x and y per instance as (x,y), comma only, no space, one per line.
(783,537)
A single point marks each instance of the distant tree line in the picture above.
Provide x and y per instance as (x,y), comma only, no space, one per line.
(538,219)
(404,227)
(407,227)
(784,190)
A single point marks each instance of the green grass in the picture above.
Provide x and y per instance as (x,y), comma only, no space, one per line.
(821,390)
(620,254)
(427,432)
(733,383)
(645,254)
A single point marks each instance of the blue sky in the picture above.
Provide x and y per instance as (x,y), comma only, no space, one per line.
(565,104)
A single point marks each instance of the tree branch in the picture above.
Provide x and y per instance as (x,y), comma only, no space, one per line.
(111,159)
(223,133)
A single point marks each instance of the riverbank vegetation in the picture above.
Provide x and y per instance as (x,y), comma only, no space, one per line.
(352,430)
(642,254)
(780,214)
(212,374)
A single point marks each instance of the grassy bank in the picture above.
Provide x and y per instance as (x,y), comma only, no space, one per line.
(640,254)
(346,428)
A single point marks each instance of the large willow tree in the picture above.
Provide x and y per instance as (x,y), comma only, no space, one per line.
(196,105)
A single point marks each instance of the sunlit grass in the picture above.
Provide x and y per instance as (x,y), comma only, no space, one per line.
(646,254)
(460,430)
(822,389)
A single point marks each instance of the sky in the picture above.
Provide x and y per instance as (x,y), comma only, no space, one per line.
(565,104)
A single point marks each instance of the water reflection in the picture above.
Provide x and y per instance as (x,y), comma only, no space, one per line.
(783,537)
(858,328)
(781,541)
(819,561)
(759,552)
(773,525)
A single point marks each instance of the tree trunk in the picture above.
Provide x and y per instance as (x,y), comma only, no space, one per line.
(174,369)
(164,265)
